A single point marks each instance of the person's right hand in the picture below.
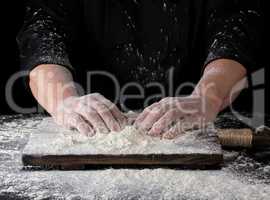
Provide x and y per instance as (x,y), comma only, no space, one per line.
(89,114)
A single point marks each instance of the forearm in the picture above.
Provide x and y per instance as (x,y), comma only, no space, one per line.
(51,85)
(235,34)
(219,79)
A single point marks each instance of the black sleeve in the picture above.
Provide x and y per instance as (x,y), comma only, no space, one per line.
(234,32)
(45,36)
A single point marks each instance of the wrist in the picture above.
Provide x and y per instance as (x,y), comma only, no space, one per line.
(215,102)
(211,97)
(66,102)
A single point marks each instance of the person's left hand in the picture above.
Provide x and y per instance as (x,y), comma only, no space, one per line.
(173,116)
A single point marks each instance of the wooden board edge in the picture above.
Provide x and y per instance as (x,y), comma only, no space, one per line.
(190,161)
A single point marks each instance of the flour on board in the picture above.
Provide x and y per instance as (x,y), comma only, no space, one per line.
(51,139)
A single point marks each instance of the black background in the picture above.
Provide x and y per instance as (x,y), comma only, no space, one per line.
(10,60)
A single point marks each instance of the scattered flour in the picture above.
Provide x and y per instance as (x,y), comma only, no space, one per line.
(50,139)
(242,178)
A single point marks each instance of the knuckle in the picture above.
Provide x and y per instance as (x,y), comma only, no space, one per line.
(83,99)
(152,114)
(102,109)
(154,104)
(96,95)
(113,107)
(84,102)
(156,110)
(90,111)
(167,99)
(86,99)
(147,110)
(163,100)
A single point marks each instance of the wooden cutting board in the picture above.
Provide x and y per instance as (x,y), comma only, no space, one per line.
(51,147)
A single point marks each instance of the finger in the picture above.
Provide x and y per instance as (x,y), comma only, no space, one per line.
(144,114)
(187,124)
(153,116)
(164,104)
(77,122)
(165,122)
(186,105)
(59,119)
(107,116)
(92,116)
(172,134)
(174,131)
(118,115)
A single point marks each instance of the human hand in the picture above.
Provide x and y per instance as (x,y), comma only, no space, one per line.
(89,114)
(173,116)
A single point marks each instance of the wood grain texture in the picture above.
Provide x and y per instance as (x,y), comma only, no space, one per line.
(192,161)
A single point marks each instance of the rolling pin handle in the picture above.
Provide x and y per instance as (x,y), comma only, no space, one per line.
(236,138)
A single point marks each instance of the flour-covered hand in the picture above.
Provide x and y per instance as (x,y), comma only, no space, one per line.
(173,116)
(90,114)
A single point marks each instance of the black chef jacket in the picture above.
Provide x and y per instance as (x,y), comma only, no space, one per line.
(141,41)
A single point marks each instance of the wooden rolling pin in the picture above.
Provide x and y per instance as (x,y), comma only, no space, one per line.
(245,138)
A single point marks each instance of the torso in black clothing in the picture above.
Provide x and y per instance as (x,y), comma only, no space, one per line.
(142,41)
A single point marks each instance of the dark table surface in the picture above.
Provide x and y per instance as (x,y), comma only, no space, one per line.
(245,175)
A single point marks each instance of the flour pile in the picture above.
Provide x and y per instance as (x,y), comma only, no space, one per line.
(51,139)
